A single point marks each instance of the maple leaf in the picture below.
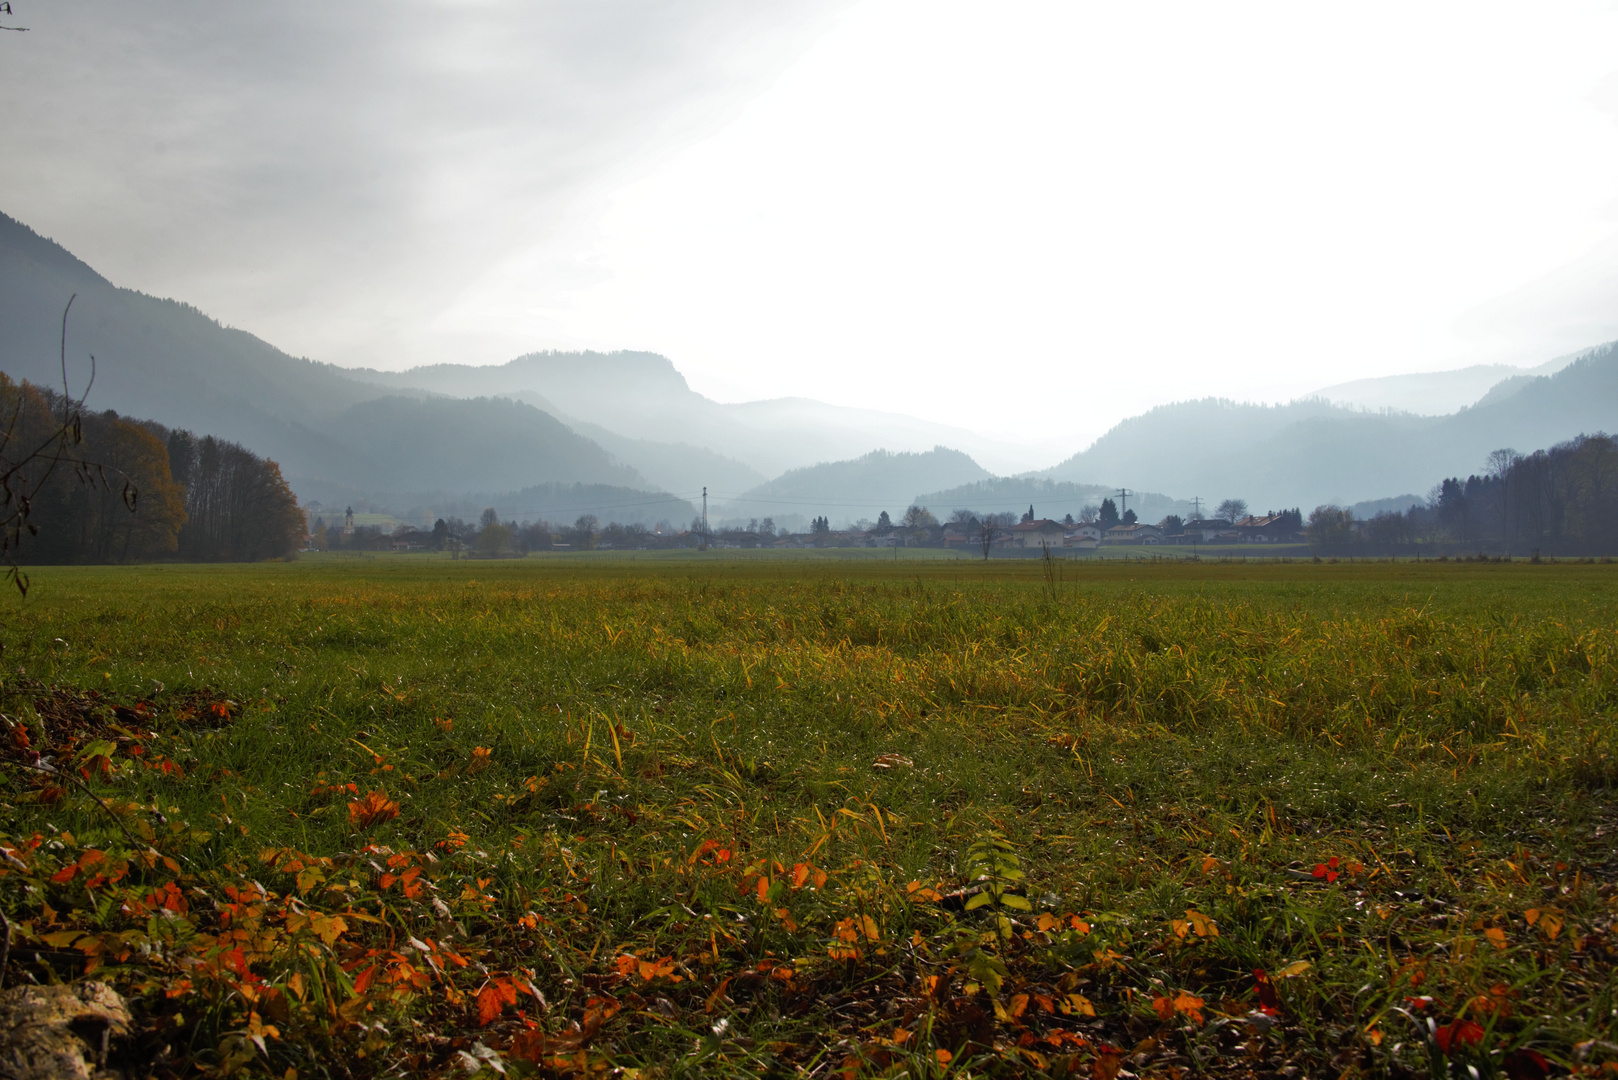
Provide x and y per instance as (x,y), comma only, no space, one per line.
(490,1004)
(373,809)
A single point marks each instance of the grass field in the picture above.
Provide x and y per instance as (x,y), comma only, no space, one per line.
(709,815)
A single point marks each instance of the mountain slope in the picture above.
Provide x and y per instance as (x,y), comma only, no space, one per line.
(861,487)
(333,435)
(642,396)
(1310,452)
(1432,393)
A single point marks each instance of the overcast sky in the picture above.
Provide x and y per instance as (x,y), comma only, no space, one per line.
(1023,217)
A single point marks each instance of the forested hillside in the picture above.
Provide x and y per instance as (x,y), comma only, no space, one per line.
(861,487)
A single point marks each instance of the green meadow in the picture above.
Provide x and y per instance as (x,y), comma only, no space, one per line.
(818,814)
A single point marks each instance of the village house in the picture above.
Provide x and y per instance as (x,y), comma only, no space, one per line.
(410,538)
(962,534)
(1208,530)
(1269,529)
(1036,534)
(1135,533)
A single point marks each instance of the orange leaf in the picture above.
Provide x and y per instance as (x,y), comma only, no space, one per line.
(800,874)
(917,891)
(1496,936)
(1190,1005)
(489,1005)
(373,809)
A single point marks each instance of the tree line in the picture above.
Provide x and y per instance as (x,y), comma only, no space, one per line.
(129,490)
(1558,501)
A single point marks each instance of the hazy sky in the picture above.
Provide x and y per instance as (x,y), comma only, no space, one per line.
(1023,217)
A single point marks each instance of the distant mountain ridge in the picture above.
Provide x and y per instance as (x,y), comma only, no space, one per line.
(846,491)
(1433,393)
(642,396)
(630,421)
(335,437)
(1312,451)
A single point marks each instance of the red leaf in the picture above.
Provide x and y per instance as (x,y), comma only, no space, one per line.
(1268,1001)
(1461,1033)
(1526,1065)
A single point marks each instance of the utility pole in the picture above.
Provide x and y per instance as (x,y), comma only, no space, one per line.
(1123,500)
(1196,507)
(705,517)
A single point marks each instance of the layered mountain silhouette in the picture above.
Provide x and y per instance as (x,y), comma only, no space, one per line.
(1433,393)
(642,396)
(1313,451)
(335,436)
(859,488)
(568,424)
(625,419)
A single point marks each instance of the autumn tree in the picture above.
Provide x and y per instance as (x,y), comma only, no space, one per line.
(919,517)
(101,493)
(1330,527)
(238,506)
